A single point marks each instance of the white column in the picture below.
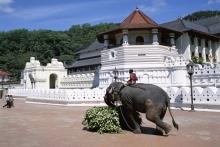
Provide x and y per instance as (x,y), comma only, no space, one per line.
(203,50)
(172,40)
(155,36)
(217,52)
(125,38)
(106,41)
(196,47)
(185,43)
(210,51)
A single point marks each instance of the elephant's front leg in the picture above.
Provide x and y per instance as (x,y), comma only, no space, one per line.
(137,127)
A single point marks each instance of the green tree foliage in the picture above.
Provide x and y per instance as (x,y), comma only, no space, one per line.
(17,46)
(201,14)
(85,34)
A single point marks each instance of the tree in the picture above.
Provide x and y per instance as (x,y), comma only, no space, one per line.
(17,46)
(201,14)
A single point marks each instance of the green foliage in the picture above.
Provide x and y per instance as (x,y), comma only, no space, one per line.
(200,60)
(17,46)
(84,35)
(102,120)
(201,14)
(197,60)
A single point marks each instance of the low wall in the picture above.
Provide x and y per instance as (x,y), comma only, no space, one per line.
(210,95)
(61,96)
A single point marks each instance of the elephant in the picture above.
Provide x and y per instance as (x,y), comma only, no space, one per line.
(144,98)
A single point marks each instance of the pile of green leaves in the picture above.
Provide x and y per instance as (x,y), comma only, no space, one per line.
(102,120)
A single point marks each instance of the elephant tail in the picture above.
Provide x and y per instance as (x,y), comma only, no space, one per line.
(173,121)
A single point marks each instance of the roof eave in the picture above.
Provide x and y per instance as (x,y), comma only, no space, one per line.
(203,33)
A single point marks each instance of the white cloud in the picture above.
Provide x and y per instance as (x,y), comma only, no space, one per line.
(34,13)
(5,6)
(213,1)
(6,1)
(153,6)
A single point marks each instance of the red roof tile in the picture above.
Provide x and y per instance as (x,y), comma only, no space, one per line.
(137,19)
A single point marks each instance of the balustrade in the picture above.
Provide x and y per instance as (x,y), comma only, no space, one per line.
(209,95)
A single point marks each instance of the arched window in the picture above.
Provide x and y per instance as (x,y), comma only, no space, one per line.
(139,40)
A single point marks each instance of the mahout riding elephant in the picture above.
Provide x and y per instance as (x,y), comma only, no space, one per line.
(145,98)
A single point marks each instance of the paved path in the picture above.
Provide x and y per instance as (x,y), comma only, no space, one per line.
(34,125)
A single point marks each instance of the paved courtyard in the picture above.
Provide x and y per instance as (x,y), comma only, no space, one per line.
(34,125)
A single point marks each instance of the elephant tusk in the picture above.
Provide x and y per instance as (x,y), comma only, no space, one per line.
(111,90)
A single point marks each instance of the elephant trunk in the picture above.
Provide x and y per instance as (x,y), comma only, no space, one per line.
(108,101)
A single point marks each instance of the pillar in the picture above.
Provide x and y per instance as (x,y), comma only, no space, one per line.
(186,46)
(196,47)
(210,51)
(125,37)
(106,41)
(203,50)
(217,52)
(155,36)
(172,41)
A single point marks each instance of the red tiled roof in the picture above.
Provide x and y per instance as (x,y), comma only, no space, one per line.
(137,19)
(3,73)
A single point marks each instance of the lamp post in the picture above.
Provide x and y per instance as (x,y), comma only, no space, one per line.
(190,70)
(115,72)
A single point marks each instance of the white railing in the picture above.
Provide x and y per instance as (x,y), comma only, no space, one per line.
(77,81)
(64,96)
(207,75)
(209,95)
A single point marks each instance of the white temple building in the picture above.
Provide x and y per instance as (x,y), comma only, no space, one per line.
(145,46)
(158,53)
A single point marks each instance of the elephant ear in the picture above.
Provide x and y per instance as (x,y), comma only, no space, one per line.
(108,98)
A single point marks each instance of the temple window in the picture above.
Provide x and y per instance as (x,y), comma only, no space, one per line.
(113,54)
(139,40)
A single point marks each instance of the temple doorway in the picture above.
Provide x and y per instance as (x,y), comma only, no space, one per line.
(53,81)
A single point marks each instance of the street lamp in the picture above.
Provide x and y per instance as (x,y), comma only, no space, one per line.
(190,70)
(115,72)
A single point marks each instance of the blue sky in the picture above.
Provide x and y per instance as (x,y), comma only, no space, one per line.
(62,14)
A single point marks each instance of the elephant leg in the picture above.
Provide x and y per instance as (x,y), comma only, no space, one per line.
(137,128)
(159,130)
(153,116)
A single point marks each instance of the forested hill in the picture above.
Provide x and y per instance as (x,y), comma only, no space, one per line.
(201,15)
(17,46)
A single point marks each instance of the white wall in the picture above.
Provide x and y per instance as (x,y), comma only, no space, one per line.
(41,74)
(179,95)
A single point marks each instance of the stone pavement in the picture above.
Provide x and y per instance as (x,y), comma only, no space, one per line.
(34,125)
